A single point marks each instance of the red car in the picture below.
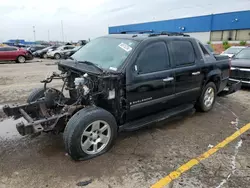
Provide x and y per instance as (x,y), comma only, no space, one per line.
(14,54)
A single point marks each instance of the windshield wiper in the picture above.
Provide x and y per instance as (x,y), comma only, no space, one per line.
(92,64)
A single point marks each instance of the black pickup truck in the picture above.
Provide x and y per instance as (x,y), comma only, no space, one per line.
(124,82)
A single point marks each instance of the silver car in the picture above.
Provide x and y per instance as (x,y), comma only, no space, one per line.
(233,50)
(56,53)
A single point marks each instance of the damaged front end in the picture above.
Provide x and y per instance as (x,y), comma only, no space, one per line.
(51,110)
(35,121)
(48,113)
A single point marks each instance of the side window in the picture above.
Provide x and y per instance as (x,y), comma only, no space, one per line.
(153,58)
(2,49)
(183,53)
(9,49)
(12,49)
(204,50)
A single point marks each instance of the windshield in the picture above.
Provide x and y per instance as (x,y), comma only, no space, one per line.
(232,50)
(47,48)
(60,48)
(107,53)
(244,54)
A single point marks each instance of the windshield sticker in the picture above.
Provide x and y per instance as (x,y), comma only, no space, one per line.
(113,68)
(125,47)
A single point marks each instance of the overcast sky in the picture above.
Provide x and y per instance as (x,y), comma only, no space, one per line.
(84,19)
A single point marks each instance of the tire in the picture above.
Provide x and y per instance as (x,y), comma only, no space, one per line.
(35,95)
(21,59)
(203,103)
(45,56)
(82,123)
(57,56)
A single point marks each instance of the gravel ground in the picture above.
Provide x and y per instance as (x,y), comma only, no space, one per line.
(138,158)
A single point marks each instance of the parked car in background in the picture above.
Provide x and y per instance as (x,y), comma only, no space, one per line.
(233,50)
(35,48)
(240,70)
(14,54)
(82,42)
(65,54)
(43,53)
(56,54)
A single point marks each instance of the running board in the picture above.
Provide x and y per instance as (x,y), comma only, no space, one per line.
(137,124)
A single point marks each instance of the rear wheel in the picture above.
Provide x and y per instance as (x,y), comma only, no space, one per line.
(89,133)
(21,59)
(57,56)
(207,98)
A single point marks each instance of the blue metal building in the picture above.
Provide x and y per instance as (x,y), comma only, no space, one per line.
(214,27)
(13,42)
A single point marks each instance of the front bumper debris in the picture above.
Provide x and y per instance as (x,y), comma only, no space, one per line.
(232,87)
(33,125)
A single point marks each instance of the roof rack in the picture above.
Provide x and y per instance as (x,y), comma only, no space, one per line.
(169,34)
(152,33)
(138,32)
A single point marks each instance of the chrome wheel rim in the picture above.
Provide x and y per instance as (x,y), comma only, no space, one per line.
(57,56)
(21,59)
(45,56)
(95,137)
(209,97)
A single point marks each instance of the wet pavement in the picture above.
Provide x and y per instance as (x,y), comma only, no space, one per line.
(138,159)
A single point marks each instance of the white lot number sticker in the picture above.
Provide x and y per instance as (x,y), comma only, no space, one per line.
(125,47)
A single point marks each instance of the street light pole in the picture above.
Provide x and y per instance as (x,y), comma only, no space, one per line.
(48,36)
(62,30)
(34,32)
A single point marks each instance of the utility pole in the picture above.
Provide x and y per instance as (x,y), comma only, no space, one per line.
(48,36)
(62,30)
(34,31)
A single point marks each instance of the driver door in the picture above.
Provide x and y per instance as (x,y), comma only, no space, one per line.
(150,81)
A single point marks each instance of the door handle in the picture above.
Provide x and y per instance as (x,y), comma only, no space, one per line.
(196,73)
(168,79)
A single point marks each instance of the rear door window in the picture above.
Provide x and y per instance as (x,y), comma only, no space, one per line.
(182,53)
(9,49)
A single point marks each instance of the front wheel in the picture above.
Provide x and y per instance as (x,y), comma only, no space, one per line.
(207,98)
(89,133)
(45,56)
